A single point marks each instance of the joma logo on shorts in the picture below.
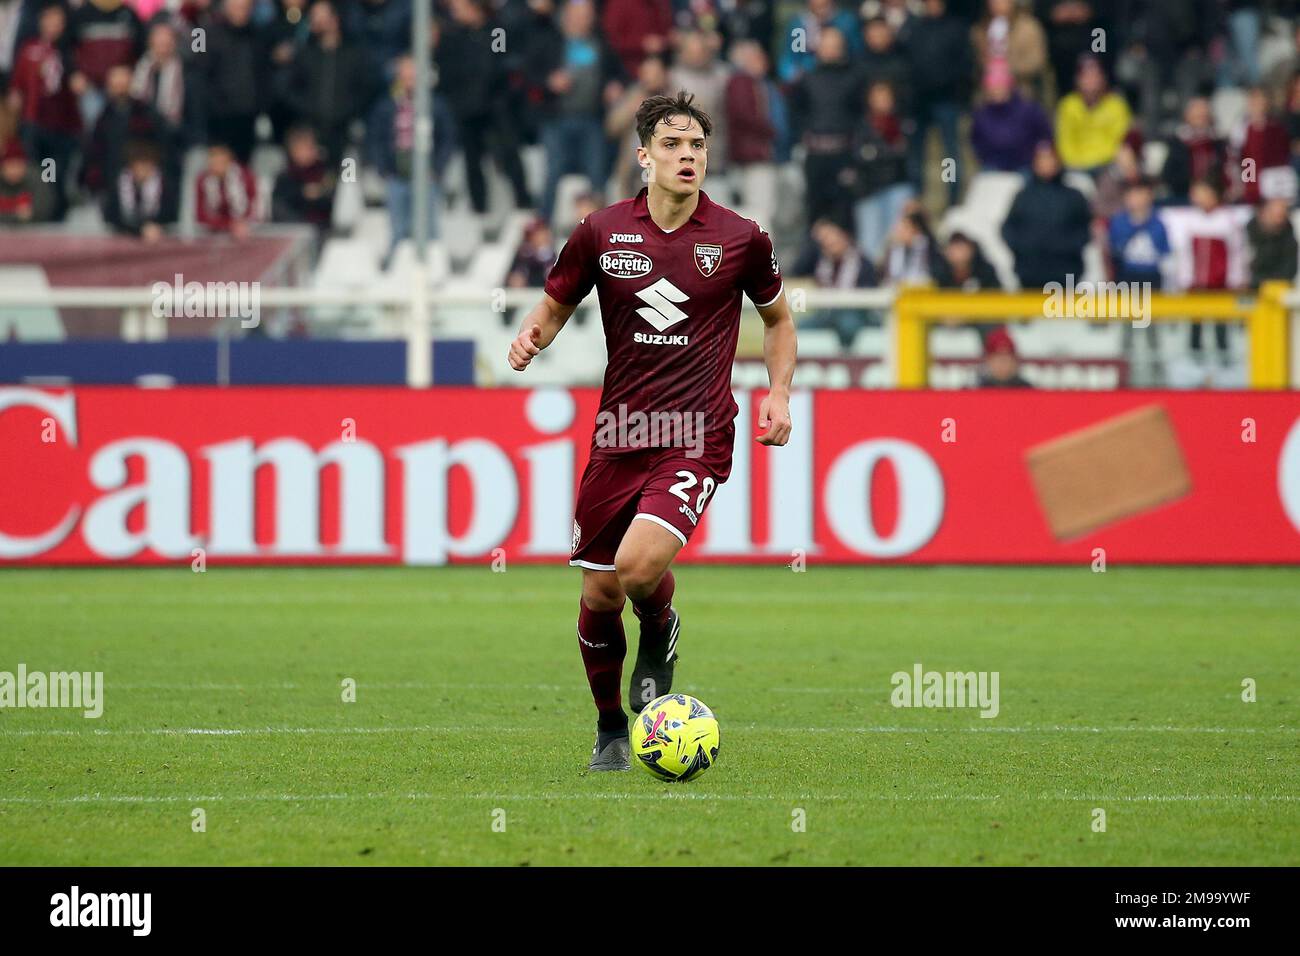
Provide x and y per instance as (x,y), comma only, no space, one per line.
(686,510)
(650,338)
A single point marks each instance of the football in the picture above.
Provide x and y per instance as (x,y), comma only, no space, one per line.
(675,737)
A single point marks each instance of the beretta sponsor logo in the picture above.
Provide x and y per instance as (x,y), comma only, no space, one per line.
(625,264)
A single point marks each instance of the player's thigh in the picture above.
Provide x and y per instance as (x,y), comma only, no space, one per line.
(601,590)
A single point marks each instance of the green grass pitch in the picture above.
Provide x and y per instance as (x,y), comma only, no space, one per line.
(472,726)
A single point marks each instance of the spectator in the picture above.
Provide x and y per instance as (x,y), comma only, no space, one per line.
(1137,239)
(24,199)
(287,34)
(1091,122)
(581,75)
(909,249)
(1174,40)
(637,29)
(835,262)
(392,139)
(332,83)
(107,33)
(44,93)
(1196,152)
(304,189)
(584,204)
(698,70)
(878,174)
(1048,225)
(801,49)
(1007,127)
(1001,368)
(1244,23)
(144,199)
(883,62)
(226,194)
(1210,254)
(1293,120)
(384,31)
(938,46)
(826,104)
(124,120)
(962,265)
(1272,244)
(236,66)
(1262,153)
(473,79)
(1111,183)
(620,124)
(534,257)
(1069,25)
(159,81)
(1011,40)
(753,134)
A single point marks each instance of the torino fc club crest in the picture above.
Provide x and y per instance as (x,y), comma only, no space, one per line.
(707,257)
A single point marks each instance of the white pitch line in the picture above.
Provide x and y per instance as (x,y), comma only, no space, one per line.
(100,798)
(436,728)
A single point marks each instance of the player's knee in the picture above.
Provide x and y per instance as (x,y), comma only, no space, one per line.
(602,592)
(637,576)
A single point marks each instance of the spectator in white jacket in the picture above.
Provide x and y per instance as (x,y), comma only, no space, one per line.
(1211,253)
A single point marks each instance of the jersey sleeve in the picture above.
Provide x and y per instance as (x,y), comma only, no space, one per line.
(574,272)
(761,277)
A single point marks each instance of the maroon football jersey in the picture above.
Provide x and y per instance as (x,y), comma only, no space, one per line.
(670,304)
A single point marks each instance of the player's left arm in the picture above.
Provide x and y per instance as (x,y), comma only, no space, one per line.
(761,281)
(779,350)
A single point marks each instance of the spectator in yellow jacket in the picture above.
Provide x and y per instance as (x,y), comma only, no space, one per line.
(1091,122)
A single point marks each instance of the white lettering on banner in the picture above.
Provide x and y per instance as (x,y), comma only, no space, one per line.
(426,535)
(1288,475)
(728,528)
(163,497)
(550,473)
(63,409)
(920,497)
(233,508)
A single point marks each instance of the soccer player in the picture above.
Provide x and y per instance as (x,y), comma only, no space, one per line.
(669,267)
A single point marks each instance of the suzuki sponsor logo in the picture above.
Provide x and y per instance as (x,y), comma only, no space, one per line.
(625,264)
(650,338)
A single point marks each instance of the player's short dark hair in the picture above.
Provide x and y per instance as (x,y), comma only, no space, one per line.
(655,109)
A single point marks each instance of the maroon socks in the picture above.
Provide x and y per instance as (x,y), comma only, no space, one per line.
(654,609)
(603,646)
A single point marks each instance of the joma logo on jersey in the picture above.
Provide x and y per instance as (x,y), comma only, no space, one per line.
(707,258)
(625,264)
(626,237)
(650,338)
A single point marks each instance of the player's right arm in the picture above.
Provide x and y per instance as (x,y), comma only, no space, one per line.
(539,329)
(571,278)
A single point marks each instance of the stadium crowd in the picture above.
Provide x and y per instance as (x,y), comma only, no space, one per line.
(101,99)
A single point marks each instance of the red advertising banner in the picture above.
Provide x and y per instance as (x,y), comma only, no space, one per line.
(375,475)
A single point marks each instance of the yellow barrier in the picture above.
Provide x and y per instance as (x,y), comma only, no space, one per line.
(1267,328)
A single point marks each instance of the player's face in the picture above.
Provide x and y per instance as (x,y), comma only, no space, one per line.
(677,156)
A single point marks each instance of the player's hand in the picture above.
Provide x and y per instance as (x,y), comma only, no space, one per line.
(524,347)
(774,416)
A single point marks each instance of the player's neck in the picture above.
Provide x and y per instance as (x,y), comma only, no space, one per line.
(669,210)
